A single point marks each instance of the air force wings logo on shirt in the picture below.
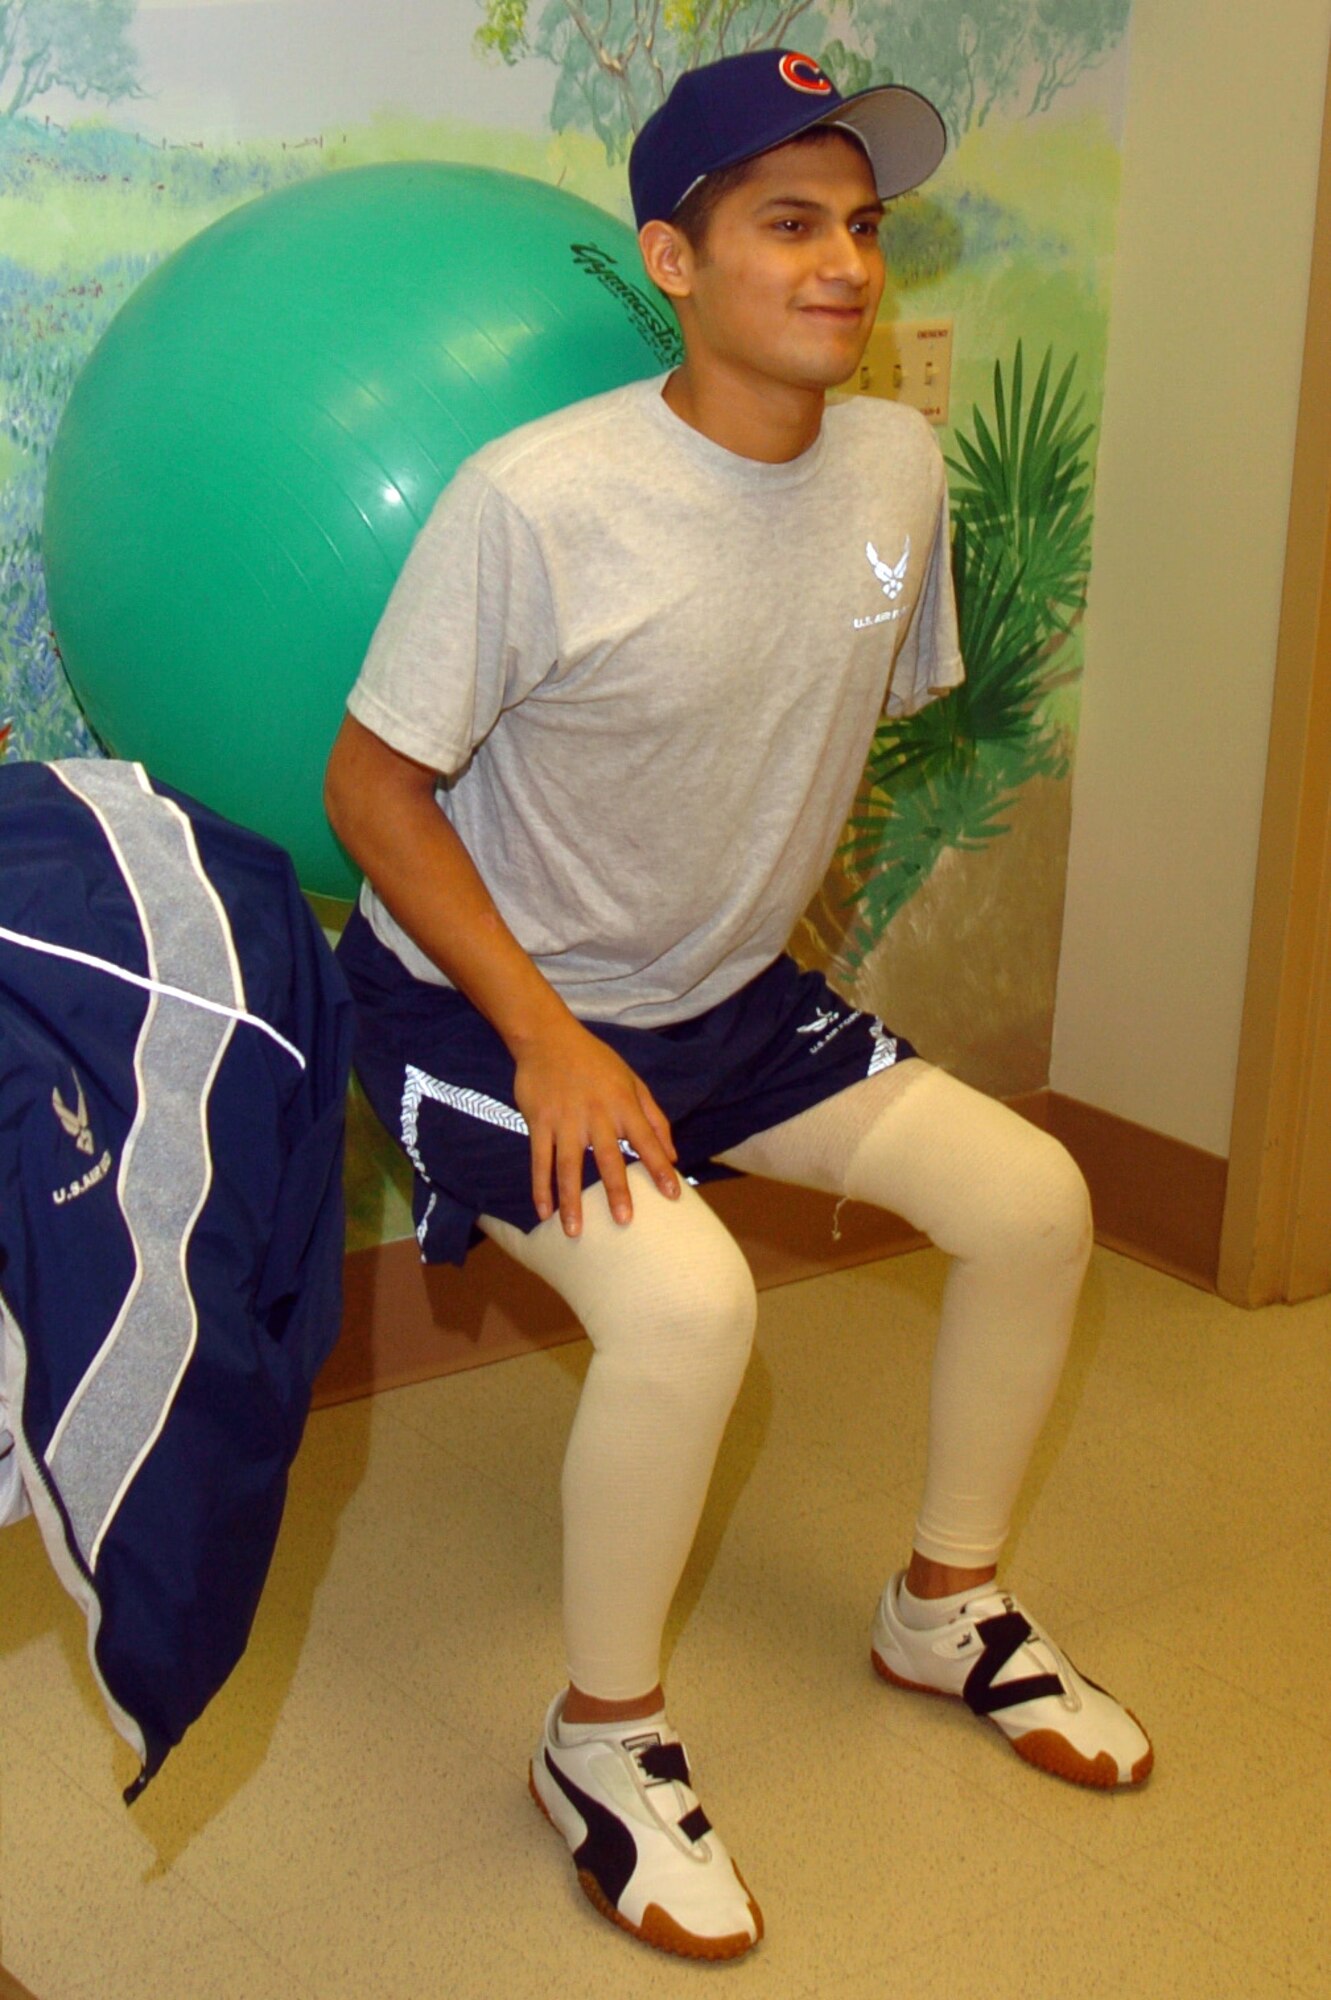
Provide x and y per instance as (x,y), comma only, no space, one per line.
(75,1122)
(892,577)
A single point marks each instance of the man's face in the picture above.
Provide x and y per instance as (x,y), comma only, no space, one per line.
(789,276)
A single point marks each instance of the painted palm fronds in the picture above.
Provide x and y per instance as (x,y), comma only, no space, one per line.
(1023,488)
(945,778)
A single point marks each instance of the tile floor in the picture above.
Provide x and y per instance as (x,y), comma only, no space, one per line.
(351,1817)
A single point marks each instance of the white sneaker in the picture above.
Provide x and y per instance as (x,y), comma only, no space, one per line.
(643,1847)
(1004,1667)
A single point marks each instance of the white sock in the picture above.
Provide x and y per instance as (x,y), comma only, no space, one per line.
(925,1614)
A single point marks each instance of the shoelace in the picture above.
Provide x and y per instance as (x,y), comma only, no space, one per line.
(666,1764)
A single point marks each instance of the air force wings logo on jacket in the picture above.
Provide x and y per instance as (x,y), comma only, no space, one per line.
(75,1122)
(174,1051)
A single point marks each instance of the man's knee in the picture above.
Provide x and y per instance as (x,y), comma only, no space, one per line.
(692,1328)
(973,1173)
(1026,1202)
(667,1298)
(1056,1212)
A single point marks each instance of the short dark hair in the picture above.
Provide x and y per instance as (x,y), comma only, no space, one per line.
(693,216)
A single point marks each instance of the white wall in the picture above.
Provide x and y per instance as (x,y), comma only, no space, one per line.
(1206,332)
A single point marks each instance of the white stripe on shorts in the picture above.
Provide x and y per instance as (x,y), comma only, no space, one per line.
(472,1103)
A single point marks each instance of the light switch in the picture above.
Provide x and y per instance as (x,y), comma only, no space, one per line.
(908,361)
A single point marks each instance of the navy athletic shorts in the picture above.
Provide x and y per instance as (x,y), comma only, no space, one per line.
(441,1080)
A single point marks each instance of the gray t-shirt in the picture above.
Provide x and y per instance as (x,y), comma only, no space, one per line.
(648,671)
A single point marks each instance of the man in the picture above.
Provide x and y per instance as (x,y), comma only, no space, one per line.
(595,765)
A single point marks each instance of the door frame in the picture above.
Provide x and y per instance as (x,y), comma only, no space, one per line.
(1276,1236)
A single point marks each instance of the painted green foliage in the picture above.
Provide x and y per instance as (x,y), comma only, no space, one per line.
(971,59)
(943,779)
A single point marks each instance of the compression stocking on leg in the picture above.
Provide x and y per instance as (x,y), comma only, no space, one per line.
(669,1306)
(1010,1207)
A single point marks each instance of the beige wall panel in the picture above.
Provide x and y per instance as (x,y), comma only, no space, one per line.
(1206,334)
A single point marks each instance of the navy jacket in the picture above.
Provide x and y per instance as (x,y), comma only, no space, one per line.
(174,1050)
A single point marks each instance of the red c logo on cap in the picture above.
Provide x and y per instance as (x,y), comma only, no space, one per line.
(803,73)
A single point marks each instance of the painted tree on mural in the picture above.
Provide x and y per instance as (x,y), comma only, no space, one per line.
(618,58)
(81,46)
(971,59)
(1070,36)
(963,57)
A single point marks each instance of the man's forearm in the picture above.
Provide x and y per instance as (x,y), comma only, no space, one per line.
(384,812)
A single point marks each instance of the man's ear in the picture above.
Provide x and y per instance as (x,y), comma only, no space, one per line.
(668,258)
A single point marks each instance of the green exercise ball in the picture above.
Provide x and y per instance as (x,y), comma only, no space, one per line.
(247,456)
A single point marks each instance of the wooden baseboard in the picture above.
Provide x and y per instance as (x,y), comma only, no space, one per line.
(1154,1198)
(10,1988)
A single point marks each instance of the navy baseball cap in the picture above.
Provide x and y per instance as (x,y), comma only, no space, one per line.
(732,110)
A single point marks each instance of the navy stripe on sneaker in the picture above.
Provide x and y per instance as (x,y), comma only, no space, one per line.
(609,1853)
(645,1852)
(1002,1637)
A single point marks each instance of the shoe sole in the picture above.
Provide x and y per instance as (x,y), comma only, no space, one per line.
(1045,1749)
(658,1928)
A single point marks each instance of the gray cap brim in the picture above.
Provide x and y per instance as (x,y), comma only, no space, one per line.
(902,132)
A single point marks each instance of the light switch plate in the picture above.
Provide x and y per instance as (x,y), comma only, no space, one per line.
(908,361)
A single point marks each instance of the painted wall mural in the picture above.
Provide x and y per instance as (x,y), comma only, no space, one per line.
(615,63)
(128,125)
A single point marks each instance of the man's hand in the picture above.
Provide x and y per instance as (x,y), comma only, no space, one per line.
(576,1094)
(572,1089)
